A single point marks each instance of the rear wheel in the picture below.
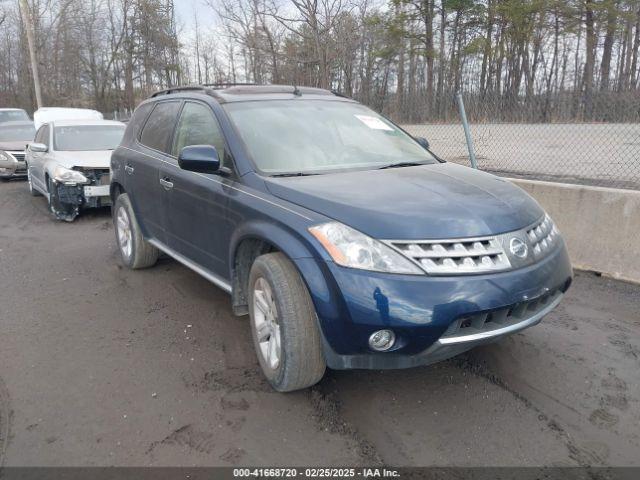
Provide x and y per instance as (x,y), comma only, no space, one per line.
(284,327)
(135,251)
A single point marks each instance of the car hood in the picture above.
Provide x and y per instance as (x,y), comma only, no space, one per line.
(94,159)
(14,146)
(423,202)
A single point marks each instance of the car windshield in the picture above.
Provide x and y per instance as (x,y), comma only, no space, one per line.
(88,137)
(319,136)
(13,116)
(17,133)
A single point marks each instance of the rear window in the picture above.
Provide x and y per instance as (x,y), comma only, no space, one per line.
(158,130)
(13,116)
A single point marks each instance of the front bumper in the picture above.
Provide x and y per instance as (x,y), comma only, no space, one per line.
(68,199)
(14,167)
(423,310)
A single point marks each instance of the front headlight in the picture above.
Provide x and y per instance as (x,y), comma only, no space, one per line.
(66,175)
(353,249)
(4,156)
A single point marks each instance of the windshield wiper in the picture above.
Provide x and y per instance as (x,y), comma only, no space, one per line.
(401,164)
(293,174)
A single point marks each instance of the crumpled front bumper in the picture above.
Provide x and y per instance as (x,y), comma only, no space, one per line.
(68,199)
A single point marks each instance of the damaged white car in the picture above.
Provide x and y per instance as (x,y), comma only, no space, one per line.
(68,163)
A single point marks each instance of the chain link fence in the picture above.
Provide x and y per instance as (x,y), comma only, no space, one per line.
(555,139)
(559,138)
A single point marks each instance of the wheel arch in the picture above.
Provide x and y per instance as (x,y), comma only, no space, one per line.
(255,239)
(115,189)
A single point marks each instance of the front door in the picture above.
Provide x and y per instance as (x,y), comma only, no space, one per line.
(36,160)
(195,203)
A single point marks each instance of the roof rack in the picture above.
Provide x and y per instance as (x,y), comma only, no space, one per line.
(203,87)
(228,84)
(338,93)
(167,91)
(215,89)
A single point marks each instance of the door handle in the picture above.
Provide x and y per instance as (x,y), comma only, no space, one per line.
(166,183)
(129,169)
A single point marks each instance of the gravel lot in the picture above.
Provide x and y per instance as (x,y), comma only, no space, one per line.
(104,366)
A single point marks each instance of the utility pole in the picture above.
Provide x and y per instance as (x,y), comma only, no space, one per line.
(28,25)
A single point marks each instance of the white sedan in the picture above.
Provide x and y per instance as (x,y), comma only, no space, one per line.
(69,161)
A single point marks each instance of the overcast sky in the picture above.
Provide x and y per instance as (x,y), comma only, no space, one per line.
(185,14)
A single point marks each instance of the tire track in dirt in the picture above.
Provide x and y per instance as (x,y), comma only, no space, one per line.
(582,457)
(187,436)
(5,420)
(328,417)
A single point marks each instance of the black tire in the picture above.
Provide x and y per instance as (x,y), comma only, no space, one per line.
(141,254)
(32,191)
(301,362)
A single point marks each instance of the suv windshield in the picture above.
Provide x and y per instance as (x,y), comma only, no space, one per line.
(13,116)
(88,137)
(16,133)
(319,136)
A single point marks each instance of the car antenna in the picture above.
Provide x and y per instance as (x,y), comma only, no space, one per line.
(297,91)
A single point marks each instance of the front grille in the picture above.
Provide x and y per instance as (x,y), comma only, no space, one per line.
(457,256)
(489,254)
(18,156)
(485,323)
(542,236)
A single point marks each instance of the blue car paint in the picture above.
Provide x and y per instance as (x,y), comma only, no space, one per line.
(432,201)
(424,202)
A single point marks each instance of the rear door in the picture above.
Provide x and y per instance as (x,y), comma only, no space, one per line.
(195,203)
(142,168)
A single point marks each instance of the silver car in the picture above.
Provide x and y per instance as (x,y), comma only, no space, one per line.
(68,163)
(14,136)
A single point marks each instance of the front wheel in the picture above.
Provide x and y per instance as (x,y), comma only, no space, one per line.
(32,191)
(136,252)
(285,332)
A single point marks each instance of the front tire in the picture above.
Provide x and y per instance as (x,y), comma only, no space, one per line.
(285,332)
(135,251)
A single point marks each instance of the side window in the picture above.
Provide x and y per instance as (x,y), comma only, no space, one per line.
(39,138)
(159,127)
(198,126)
(139,116)
(45,135)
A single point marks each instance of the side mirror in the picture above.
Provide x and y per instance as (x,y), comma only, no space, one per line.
(38,147)
(199,158)
(422,141)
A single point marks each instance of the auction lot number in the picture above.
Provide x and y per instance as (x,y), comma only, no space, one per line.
(315,473)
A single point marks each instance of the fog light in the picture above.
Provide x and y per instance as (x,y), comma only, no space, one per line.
(382,340)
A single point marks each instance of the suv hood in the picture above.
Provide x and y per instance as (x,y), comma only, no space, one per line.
(423,202)
(93,159)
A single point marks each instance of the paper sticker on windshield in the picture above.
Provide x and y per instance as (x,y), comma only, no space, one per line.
(373,122)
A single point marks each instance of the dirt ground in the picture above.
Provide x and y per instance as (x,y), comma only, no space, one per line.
(100,365)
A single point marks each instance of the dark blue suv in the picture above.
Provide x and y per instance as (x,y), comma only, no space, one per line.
(344,239)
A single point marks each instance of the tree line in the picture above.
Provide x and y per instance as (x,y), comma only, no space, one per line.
(513,60)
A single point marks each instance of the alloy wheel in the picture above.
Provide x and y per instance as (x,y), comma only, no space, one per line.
(29,181)
(124,232)
(265,319)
